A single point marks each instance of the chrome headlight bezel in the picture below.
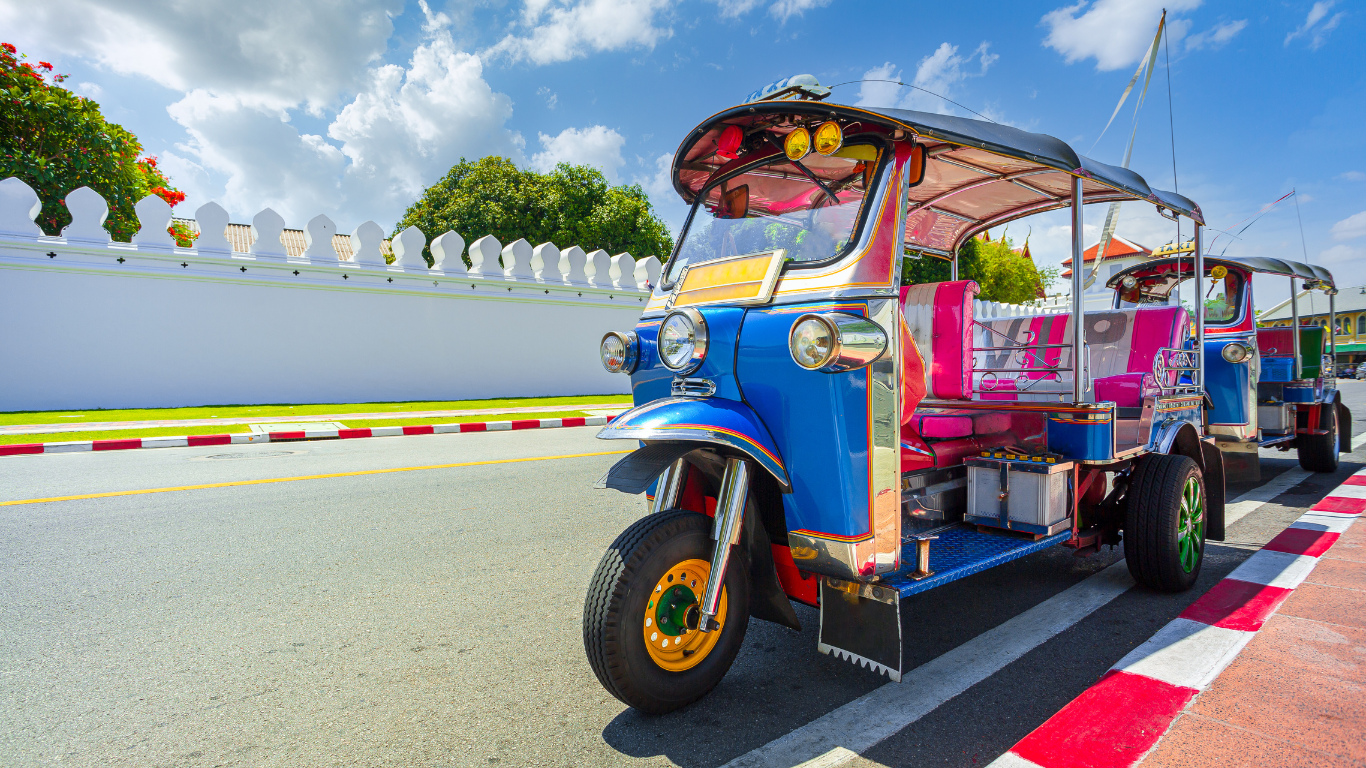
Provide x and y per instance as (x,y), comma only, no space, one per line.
(630,357)
(857,341)
(1236,352)
(698,328)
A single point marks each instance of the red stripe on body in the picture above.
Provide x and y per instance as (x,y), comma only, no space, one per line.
(1340,504)
(1302,541)
(20,448)
(1110,725)
(1236,604)
(421,430)
(209,440)
(116,445)
(349,433)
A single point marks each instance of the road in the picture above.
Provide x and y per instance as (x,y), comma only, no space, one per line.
(431,617)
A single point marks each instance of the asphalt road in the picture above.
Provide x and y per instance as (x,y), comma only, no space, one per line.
(432,617)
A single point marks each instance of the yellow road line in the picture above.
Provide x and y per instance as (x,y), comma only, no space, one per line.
(303,477)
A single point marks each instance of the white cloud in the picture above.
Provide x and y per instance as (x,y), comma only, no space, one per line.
(1116,33)
(786,9)
(1342,254)
(89,90)
(1317,24)
(937,73)
(1217,36)
(404,127)
(560,31)
(1352,176)
(598,146)
(1351,227)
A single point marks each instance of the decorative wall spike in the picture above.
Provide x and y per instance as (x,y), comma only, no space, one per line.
(624,272)
(318,248)
(408,247)
(446,250)
(88,212)
(484,256)
(19,206)
(154,216)
(647,272)
(517,260)
(572,262)
(213,227)
(545,263)
(365,242)
(266,228)
(598,268)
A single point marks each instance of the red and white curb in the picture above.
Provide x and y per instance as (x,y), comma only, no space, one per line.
(1115,722)
(312,434)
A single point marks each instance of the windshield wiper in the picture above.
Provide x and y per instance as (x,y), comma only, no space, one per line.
(804,170)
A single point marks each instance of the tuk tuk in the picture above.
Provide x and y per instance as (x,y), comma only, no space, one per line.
(813,431)
(1269,386)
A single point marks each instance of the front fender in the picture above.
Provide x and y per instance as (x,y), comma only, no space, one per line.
(716,420)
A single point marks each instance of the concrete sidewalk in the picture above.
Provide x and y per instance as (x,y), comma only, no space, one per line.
(1294,696)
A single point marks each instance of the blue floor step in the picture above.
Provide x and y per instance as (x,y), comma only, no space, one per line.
(961,551)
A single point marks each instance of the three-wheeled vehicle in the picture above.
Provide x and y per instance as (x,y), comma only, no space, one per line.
(1269,386)
(811,430)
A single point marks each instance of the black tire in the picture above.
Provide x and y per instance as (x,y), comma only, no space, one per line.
(614,612)
(1152,519)
(1319,453)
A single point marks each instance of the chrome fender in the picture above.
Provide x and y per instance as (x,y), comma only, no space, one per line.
(727,423)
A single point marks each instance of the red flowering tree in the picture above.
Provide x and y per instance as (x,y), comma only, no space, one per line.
(56,141)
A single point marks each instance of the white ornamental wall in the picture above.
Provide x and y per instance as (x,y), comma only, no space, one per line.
(90,323)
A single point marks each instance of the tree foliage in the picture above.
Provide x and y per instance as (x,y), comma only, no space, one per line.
(571,205)
(56,141)
(1005,276)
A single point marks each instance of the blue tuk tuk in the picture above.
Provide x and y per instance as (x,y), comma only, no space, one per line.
(812,430)
(1270,386)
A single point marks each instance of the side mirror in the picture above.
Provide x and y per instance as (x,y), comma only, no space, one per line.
(915,168)
(734,203)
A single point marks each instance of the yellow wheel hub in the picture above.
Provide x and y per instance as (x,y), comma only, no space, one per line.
(672,612)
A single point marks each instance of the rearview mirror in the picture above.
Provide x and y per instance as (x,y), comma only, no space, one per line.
(734,204)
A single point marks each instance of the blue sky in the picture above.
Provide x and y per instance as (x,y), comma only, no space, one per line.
(351,107)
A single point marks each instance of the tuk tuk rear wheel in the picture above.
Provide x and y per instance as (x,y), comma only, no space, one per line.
(1319,453)
(644,586)
(1164,523)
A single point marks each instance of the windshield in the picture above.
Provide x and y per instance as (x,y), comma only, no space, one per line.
(776,205)
(1222,295)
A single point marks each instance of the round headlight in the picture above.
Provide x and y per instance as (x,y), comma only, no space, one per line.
(812,342)
(1128,281)
(683,341)
(1236,352)
(618,352)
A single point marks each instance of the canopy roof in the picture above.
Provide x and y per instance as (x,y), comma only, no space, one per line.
(980,175)
(1252,263)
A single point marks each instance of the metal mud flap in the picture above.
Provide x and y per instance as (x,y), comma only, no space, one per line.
(861,623)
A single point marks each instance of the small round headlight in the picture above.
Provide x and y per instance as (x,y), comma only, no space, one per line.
(618,352)
(1128,281)
(683,341)
(1236,352)
(812,342)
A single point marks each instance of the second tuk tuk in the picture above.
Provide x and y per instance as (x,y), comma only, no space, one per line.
(812,431)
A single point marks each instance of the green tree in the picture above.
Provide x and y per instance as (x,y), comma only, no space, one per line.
(1004,275)
(571,205)
(56,141)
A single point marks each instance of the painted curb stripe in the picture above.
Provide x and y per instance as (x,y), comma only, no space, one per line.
(1115,722)
(275,437)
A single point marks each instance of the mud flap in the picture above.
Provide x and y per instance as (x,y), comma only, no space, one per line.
(1344,427)
(634,473)
(861,623)
(1214,490)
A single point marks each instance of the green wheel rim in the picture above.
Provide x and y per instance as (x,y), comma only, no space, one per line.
(1191,525)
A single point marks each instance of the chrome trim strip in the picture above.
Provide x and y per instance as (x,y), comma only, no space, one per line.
(692,388)
(885,448)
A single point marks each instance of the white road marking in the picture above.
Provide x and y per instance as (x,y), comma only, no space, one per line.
(1357,441)
(838,736)
(1244,505)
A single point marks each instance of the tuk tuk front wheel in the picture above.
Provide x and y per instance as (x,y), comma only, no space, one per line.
(1164,523)
(641,614)
(1319,453)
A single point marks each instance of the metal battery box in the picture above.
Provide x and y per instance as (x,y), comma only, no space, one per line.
(1274,418)
(1019,494)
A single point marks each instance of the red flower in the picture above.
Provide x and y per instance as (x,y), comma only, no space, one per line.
(45,65)
(8,48)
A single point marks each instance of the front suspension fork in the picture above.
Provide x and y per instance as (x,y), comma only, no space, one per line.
(725,531)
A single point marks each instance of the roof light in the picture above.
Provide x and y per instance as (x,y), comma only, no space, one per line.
(829,138)
(728,144)
(795,87)
(797,144)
